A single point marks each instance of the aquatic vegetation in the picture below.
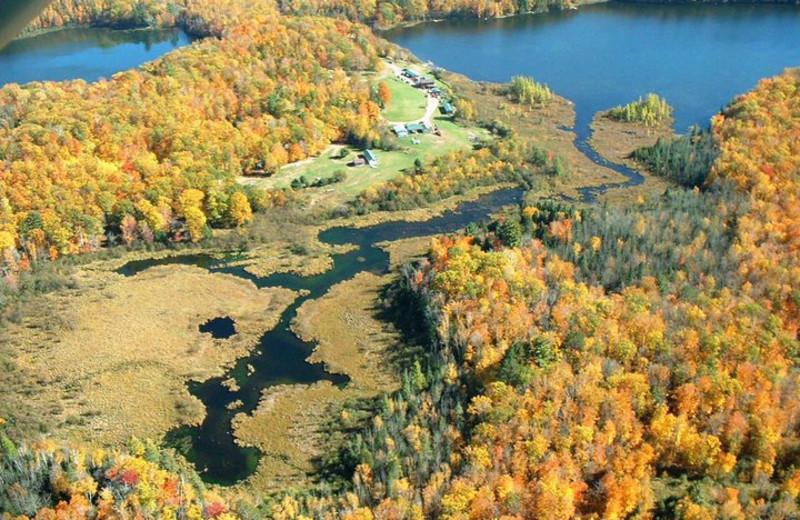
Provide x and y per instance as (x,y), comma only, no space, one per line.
(650,110)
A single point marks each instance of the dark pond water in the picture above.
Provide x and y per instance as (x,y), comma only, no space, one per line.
(280,357)
(88,54)
(696,56)
(219,328)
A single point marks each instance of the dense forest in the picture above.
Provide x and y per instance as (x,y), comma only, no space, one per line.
(598,363)
(684,160)
(153,155)
(619,363)
(650,110)
(388,13)
(601,362)
(456,173)
(155,152)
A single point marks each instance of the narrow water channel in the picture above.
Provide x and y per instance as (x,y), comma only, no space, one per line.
(280,357)
(606,55)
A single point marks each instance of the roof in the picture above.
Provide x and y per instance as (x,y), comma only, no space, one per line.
(447,108)
(416,127)
(409,72)
(370,156)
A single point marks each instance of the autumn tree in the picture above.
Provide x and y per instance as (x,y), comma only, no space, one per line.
(384,94)
(239,210)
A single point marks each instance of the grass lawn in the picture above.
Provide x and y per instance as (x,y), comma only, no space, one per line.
(406,104)
(391,163)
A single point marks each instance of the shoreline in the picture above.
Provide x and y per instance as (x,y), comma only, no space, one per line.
(48,30)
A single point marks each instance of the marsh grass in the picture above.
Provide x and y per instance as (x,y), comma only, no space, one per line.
(111,357)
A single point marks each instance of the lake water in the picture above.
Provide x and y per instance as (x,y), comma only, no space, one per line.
(697,56)
(88,54)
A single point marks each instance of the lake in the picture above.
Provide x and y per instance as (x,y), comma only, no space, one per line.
(696,56)
(85,53)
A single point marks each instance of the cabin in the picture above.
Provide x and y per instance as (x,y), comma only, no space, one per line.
(436,92)
(400,130)
(371,158)
(417,128)
(410,74)
(447,109)
(425,83)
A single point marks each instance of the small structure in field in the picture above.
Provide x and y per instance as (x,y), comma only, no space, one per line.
(371,158)
(400,130)
(410,74)
(358,162)
(417,128)
(447,109)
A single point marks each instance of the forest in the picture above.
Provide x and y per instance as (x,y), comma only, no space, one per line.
(650,110)
(580,362)
(613,363)
(154,154)
(635,362)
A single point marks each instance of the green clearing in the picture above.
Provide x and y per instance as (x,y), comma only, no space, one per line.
(407,103)
(391,163)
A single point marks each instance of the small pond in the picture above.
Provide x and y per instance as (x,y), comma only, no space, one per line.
(219,328)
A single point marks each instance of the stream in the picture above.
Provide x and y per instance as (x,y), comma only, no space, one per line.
(672,50)
(280,357)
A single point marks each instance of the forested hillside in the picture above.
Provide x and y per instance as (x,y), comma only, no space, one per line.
(581,362)
(388,13)
(155,149)
(615,363)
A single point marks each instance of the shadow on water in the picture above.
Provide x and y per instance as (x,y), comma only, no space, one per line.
(280,357)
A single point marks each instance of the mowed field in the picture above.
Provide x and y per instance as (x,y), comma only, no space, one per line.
(406,104)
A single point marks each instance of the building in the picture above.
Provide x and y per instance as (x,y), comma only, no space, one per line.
(400,130)
(410,74)
(425,83)
(371,158)
(447,109)
(417,128)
